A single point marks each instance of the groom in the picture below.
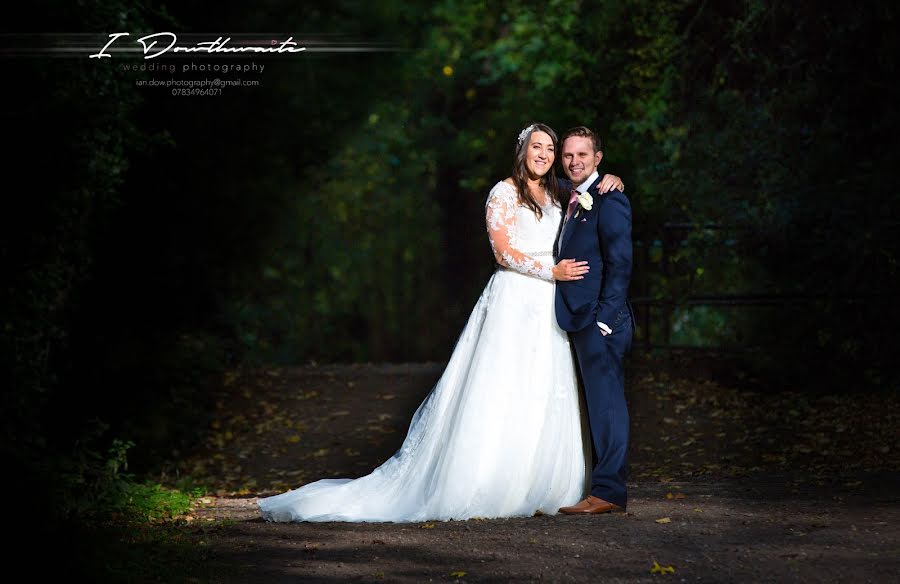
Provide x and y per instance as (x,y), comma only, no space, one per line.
(596,313)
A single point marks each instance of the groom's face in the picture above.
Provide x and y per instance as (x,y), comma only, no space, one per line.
(579,160)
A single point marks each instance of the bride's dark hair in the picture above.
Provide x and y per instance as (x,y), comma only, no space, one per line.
(520,171)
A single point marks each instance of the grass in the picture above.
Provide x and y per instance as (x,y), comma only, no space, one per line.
(136,502)
(141,532)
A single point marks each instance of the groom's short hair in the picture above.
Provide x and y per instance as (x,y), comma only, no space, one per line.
(582,132)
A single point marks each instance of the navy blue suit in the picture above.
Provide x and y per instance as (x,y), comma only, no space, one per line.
(602,236)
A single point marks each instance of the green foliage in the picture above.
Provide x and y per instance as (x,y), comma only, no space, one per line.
(86,113)
(372,239)
(96,485)
(783,144)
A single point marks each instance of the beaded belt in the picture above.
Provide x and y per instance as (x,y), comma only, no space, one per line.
(538,253)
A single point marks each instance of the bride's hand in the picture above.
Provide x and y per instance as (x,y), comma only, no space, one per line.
(570,270)
(611,182)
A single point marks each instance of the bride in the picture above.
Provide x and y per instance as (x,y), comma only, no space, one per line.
(501,433)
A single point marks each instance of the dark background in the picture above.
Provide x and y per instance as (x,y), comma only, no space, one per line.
(334,213)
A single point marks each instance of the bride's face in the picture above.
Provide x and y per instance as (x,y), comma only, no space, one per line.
(540,154)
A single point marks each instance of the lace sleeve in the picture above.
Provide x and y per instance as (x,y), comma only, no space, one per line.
(501,227)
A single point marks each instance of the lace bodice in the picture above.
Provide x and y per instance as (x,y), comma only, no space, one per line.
(520,240)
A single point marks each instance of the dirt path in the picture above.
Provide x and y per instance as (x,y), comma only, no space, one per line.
(727,486)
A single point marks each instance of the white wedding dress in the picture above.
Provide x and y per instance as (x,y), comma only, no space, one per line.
(501,433)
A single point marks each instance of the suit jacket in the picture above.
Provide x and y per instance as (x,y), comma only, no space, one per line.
(602,236)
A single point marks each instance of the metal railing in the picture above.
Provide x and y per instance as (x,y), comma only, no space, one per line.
(656,332)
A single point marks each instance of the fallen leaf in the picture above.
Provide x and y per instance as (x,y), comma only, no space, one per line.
(657,569)
(664,520)
(427,526)
(457,574)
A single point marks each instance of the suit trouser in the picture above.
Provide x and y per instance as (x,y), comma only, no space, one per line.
(601,360)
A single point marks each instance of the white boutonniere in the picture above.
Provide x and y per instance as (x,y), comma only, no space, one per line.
(585,201)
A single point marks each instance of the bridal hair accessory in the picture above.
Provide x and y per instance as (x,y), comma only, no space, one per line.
(524,133)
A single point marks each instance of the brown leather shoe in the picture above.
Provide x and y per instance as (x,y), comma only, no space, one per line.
(591,505)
